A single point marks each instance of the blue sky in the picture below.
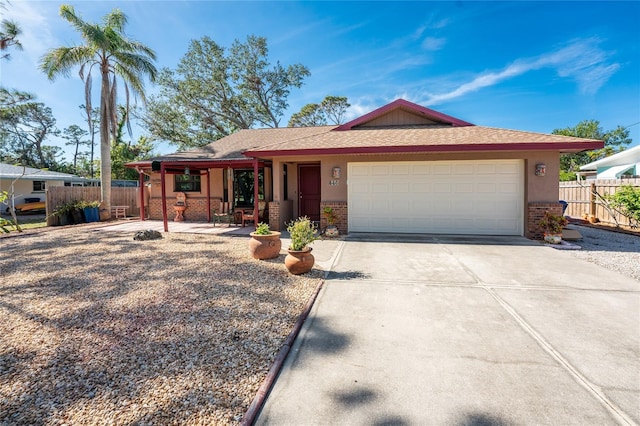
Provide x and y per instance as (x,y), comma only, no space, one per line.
(532,66)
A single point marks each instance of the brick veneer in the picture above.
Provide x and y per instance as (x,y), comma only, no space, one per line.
(535,212)
(340,210)
(274,215)
(196,208)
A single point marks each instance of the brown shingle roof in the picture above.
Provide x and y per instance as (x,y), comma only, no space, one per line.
(231,147)
(426,138)
(326,140)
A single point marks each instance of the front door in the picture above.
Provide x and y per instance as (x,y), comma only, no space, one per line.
(309,191)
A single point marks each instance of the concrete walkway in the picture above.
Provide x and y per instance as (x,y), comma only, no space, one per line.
(463,331)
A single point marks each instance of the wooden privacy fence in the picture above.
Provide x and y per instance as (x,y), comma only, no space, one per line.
(584,197)
(58,195)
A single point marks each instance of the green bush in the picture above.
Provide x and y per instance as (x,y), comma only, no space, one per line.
(262,229)
(627,202)
(302,232)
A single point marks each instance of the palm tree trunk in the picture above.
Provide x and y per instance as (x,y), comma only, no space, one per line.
(105,150)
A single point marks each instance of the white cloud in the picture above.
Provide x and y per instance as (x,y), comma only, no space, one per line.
(581,60)
(33,19)
(433,43)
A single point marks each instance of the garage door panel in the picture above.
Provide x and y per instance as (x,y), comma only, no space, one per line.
(486,169)
(465,197)
(420,169)
(400,187)
(486,188)
(379,170)
(442,169)
(400,170)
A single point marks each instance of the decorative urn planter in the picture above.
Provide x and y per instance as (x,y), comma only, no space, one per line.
(331,231)
(553,238)
(265,246)
(299,262)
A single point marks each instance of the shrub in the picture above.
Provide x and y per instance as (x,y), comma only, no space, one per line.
(262,229)
(552,223)
(627,202)
(302,232)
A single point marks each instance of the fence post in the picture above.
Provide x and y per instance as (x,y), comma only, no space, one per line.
(592,200)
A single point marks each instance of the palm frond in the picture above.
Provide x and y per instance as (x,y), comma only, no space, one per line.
(60,60)
(126,92)
(113,97)
(116,20)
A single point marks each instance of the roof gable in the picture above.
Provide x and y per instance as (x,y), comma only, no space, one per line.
(402,113)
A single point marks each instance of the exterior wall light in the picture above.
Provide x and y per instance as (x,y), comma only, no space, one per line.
(541,169)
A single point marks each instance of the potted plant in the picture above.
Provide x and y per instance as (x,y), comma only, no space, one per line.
(299,259)
(330,216)
(264,243)
(63,212)
(91,211)
(77,215)
(552,224)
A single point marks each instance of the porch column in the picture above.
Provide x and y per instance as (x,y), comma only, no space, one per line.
(256,192)
(230,195)
(164,197)
(276,179)
(208,197)
(141,190)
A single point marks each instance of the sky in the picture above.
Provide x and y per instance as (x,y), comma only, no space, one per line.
(534,66)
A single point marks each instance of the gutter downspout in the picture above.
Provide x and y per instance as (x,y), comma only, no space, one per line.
(164,197)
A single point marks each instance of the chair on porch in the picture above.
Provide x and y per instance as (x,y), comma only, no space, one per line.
(225,212)
(248,214)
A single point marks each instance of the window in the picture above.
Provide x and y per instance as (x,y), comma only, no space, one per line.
(38,186)
(187,183)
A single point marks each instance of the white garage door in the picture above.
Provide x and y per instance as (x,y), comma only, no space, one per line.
(446,197)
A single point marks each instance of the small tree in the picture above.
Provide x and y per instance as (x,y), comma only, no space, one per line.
(626,201)
(332,109)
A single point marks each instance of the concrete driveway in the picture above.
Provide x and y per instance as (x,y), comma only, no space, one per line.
(463,331)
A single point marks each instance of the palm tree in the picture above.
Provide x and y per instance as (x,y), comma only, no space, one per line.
(107,48)
(9,32)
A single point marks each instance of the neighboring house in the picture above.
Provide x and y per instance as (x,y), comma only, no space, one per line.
(32,183)
(401,168)
(622,164)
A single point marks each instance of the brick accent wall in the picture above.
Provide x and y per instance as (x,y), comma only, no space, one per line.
(196,208)
(341,211)
(535,212)
(274,215)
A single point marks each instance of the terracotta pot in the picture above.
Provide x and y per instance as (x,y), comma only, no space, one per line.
(331,231)
(299,262)
(553,238)
(265,246)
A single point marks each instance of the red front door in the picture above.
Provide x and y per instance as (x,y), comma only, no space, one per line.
(309,190)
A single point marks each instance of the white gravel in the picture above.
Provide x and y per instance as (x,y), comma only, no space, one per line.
(96,328)
(612,250)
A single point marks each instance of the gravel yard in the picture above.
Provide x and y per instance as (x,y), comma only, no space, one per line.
(98,328)
(612,250)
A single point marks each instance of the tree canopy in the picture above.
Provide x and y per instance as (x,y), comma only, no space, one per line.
(107,48)
(25,126)
(332,110)
(615,140)
(9,32)
(215,91)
